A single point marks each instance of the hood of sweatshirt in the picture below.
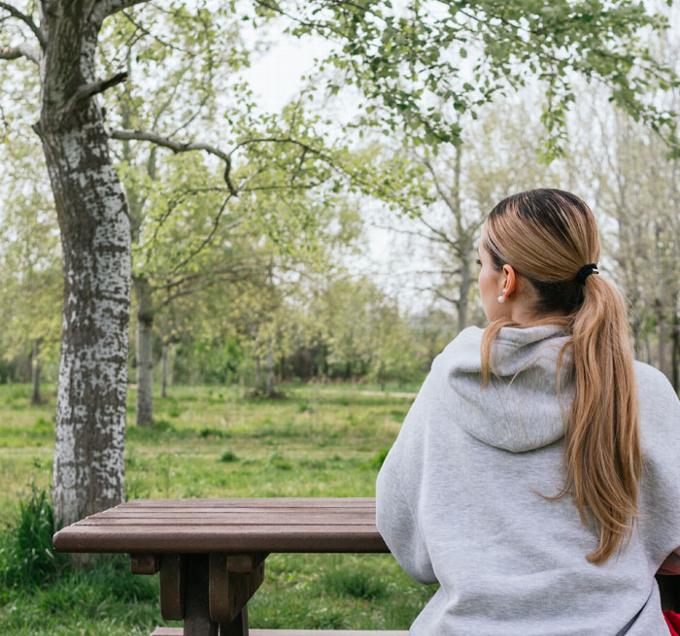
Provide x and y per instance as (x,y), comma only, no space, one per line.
(519,410)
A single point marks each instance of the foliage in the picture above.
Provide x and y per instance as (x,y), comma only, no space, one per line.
(357,583)
(30,261)
(26,555)
(422,64)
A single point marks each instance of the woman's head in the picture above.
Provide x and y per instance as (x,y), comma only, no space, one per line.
(534,250)
(533,245)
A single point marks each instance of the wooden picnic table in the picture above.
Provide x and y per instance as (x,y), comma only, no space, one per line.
(211,552)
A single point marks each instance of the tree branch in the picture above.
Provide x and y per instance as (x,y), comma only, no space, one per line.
(21,50)
(281,140)
(106,8)
(88,90)
(428,237)
(177,146)
(27,20)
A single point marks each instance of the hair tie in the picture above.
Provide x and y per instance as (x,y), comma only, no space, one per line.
(585,271)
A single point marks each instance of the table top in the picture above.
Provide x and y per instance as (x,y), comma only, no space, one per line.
(282,524)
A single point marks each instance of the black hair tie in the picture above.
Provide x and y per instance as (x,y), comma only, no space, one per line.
(585,271)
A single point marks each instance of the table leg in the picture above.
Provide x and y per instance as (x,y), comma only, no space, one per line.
(237,627)
(234,578)
(209,592)
(197,621)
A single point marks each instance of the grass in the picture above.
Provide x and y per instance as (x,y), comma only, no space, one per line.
(321,440)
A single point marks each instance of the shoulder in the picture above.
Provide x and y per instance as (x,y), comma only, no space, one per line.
(654,386)
(465,347)
(659,410)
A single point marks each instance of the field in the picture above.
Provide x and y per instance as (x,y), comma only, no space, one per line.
(324,441)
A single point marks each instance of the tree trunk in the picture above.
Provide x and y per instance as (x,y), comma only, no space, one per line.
(648,349)
(637,340)
(258,374)
(165,364)
(35,372)
(675,351)
(269,391)
(88,469)
(464,292)
(662,339)
(144,351)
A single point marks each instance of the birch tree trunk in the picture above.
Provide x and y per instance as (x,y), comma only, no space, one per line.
(88,470)
(144,351)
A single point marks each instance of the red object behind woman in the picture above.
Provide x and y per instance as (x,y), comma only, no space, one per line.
(673,622)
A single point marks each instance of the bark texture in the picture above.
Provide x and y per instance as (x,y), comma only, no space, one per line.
(95,233)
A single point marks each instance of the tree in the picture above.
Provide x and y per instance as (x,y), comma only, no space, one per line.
(397,61)
(498,153)
(637,190)
(30,267)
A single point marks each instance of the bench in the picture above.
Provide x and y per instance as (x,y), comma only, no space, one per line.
(210,553)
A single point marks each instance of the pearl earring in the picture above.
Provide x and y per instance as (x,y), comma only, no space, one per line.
(501,299)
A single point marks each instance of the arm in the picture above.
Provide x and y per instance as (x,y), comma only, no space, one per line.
(398,489)
(398,527)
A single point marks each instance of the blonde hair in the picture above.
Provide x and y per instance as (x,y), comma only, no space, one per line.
(547,236)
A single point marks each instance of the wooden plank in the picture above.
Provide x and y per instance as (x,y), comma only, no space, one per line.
(244,563)
(264,504)
(229,519)
(144,564)
(120,511)
(229,592)
(219,592)
(230,504)
(177,631)
(220,538)
(258,501)
(172,581)
(153,512)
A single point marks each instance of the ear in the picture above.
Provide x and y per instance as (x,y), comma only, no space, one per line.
(510,280)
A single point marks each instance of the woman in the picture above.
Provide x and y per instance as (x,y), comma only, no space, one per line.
(536,476)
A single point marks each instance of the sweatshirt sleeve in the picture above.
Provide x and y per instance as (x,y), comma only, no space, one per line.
(398,490)
(660,483)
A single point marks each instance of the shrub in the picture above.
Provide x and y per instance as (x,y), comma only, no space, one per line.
(228,456)
(212,432)
(26,554)
(354,583)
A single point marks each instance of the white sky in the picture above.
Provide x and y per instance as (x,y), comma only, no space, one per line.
(276,78)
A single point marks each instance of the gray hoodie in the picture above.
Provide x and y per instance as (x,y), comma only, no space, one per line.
(457,502)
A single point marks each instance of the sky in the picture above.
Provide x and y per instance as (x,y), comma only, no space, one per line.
(276,78)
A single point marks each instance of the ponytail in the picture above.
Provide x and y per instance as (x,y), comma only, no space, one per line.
(602,449)
(547,236)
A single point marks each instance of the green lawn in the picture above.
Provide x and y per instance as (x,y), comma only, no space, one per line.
(209,442)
